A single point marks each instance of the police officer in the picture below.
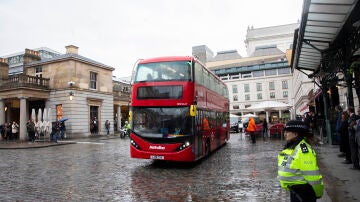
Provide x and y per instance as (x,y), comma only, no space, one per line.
(297,166)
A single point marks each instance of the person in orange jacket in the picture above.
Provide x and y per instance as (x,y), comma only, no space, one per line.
(251,129)
(206,125)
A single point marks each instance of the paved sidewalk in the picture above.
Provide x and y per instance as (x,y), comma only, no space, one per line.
(341,182)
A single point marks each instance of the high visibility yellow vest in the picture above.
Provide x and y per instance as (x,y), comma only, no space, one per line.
(299,166)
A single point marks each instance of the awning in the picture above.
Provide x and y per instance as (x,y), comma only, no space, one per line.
(269,105)
(315,95)
(322,21)
(305,107)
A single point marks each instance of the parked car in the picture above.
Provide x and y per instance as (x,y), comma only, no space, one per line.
(276,130)
(258,122)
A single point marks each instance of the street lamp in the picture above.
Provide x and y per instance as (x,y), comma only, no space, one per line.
(71,95)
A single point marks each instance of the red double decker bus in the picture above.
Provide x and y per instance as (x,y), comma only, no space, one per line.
(179,110)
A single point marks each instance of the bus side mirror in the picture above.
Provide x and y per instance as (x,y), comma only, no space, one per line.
(130,115)
(192,110)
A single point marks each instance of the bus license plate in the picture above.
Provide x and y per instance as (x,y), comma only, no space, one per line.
(157,157)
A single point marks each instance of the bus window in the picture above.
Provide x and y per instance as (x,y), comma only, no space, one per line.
(161,122)
(163,71)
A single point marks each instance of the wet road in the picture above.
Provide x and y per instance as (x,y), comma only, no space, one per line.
(103,171)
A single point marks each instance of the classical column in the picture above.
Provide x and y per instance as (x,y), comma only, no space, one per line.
(280,114)
(2,112)
(118,111)
(267,116)
(23,117)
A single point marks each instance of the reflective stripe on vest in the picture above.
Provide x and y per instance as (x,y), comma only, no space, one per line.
(299,172)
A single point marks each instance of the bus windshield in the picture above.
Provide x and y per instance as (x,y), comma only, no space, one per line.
(161,122)
(163,71)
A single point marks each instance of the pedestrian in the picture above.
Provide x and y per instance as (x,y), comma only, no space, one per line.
(92,126)
(352,140)
(95,125)
(2,131)
(339,115)
(298,171)
(265,128)
(30,127)
(357,133)
(14,130)
(55,131)
(7,131)
(311,119)
(107,126)
(344,136)
(251,128)
(62,128)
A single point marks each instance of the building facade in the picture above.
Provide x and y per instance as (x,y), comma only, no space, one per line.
(265,75)
(252,80)
(66,86)
(282,36)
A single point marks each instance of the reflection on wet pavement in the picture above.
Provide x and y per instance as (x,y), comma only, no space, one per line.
(239,171)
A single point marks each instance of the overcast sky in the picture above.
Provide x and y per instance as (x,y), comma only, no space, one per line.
(119,32)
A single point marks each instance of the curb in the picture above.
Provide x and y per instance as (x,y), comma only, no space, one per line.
(26,145)
(33,145)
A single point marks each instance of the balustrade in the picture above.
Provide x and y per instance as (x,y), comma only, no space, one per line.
(21,80)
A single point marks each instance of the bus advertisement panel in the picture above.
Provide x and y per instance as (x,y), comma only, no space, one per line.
(179,110)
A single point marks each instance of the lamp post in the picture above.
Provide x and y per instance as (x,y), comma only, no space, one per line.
(326,114)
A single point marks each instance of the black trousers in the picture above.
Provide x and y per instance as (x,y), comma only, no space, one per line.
(253,137)
(302,193)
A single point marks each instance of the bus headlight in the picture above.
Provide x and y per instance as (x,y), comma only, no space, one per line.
(133,143)
(183,146)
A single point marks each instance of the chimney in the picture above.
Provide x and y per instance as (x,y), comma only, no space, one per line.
(71,49)
(30,56)
(4,68)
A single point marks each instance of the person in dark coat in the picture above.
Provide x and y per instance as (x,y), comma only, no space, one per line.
(2,130)
(344,136)
(265,128)
(55,130)
(62,129)
(311,119)
(357,133)
(352,139)
(30,127)
(339,111)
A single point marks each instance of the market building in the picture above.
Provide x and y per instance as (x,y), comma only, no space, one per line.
(326,49)
(65,85)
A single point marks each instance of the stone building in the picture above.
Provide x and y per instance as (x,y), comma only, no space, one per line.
(251,80)
(281,35)
(68,85)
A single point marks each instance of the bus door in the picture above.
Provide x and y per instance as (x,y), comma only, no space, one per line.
(198,138)
(198,144)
